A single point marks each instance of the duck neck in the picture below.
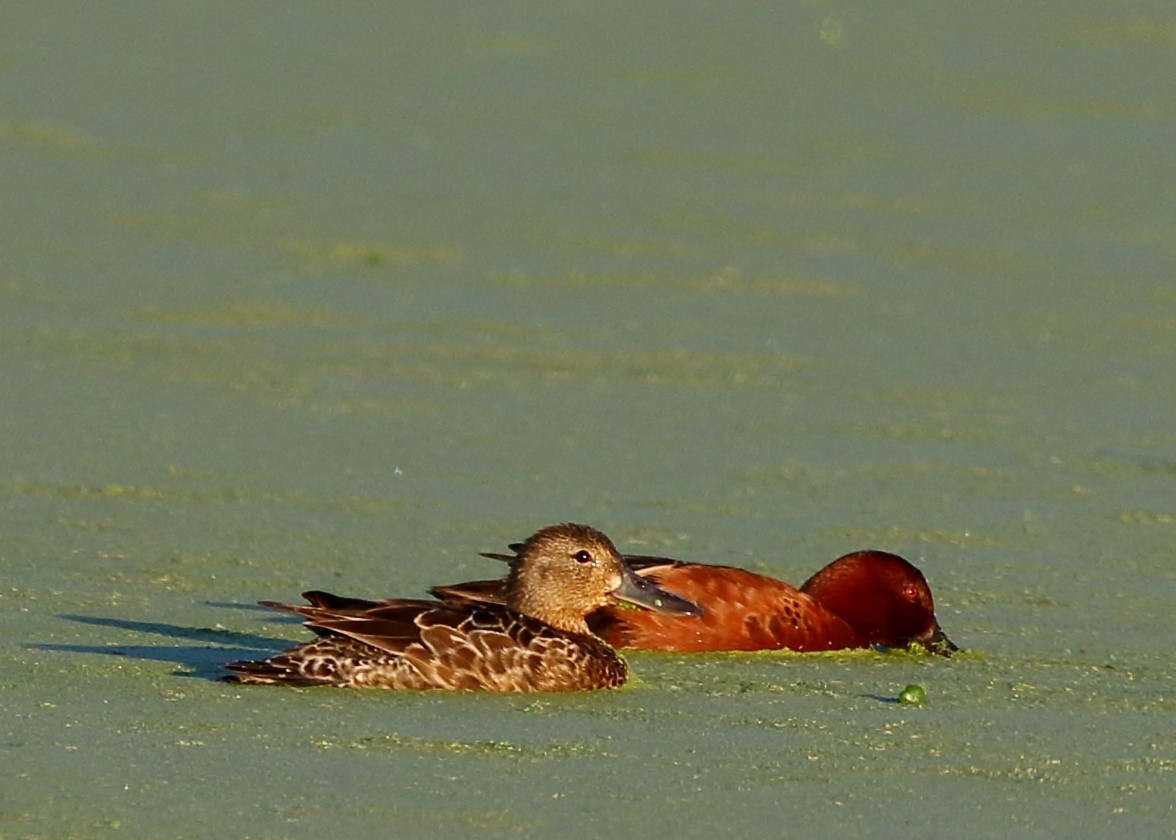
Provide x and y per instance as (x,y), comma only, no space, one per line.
(542,602)
(842,595)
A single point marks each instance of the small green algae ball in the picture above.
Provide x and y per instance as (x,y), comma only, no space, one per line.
(912,695)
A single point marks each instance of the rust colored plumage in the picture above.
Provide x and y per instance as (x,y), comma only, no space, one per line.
(859,600)
(533,638)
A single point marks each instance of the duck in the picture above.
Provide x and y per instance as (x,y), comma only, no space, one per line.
(534,637)
(865,599)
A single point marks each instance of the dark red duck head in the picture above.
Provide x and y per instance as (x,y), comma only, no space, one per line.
(885,599)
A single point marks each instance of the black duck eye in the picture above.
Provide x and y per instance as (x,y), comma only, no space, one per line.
(582,556)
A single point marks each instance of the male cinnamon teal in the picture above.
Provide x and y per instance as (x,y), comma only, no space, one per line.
(537,639)
(864,599)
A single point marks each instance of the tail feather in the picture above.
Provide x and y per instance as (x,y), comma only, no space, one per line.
(268,672)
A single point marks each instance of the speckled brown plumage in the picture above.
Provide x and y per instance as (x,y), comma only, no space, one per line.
(536,640)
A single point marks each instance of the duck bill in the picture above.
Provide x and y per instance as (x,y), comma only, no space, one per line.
(937,642)
(641,592)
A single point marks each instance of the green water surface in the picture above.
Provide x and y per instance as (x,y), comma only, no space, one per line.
(338,295)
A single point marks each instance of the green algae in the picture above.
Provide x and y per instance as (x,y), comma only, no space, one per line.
(553,273)
(248,364)
(255,313)
(59,140)
(514,751)
(653,283)
(370,254)
(134,494)
(913,695)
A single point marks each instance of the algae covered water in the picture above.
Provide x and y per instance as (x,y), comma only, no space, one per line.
(338,298)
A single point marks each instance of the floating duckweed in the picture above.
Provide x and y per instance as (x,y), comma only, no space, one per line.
(912,695)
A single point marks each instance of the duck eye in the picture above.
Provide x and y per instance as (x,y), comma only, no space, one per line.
(582,556)
(911,592)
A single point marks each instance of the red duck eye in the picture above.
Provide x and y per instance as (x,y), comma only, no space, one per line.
(911,592)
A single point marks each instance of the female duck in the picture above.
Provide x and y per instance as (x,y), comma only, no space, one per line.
(537,639)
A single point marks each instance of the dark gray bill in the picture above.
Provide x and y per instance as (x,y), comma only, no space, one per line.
(640,591)
(937,642)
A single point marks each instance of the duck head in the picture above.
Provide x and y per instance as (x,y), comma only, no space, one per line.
(564,572)
(883,597)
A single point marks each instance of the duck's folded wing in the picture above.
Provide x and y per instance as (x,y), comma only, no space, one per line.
(471,592)
(394,626)
(389,626)
(340,603)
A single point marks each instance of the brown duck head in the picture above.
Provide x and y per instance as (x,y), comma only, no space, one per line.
(564,572)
